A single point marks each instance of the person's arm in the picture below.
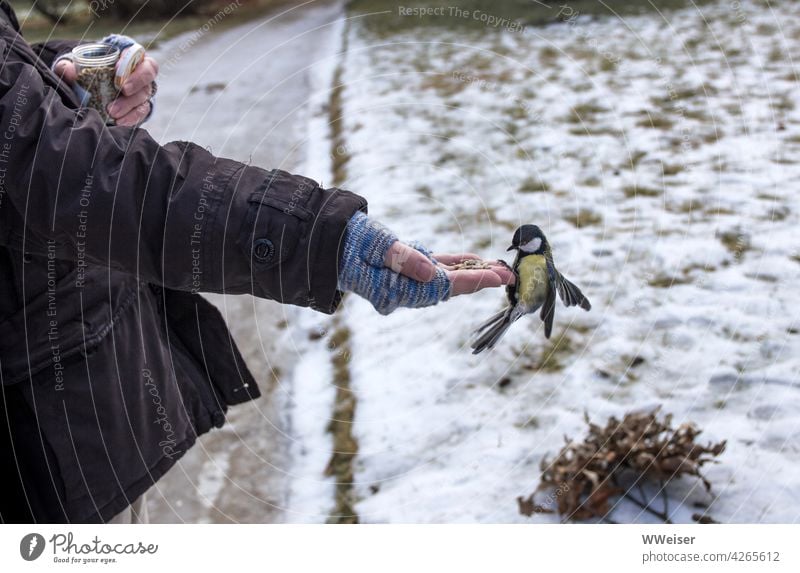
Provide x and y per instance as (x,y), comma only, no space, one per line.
(178,216)
(173,215)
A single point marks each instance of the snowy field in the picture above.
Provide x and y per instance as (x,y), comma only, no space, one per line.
(660,153)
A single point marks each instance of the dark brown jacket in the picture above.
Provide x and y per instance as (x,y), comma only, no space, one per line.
(111,364)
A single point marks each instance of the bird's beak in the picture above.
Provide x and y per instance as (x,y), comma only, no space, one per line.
(511,248)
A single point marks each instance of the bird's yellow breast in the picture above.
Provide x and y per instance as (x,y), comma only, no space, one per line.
(533,280)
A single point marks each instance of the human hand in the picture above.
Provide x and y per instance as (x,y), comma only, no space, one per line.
(412,263)
(391,274)
(468,281)
(134,104)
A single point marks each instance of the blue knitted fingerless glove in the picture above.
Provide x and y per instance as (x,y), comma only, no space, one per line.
(363,272)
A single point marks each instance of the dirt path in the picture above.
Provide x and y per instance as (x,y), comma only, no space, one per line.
(240,92)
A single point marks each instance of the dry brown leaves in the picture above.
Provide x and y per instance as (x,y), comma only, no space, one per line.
(585,477)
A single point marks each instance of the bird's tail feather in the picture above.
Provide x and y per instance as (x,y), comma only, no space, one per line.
(494,329)
(494,318)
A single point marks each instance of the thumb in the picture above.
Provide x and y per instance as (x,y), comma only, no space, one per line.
(409,262)
(66,71)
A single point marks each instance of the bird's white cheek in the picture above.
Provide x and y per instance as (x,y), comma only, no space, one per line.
(531,246)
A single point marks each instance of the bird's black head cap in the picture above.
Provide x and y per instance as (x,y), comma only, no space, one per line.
(525,239)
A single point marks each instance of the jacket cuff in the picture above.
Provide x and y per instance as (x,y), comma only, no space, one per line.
(291,235)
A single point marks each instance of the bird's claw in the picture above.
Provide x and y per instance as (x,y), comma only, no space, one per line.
(505,264)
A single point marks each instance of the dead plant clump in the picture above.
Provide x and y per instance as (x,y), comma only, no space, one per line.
(585,477)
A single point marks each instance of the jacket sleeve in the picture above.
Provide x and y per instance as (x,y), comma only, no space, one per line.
(173,215)
(49,51)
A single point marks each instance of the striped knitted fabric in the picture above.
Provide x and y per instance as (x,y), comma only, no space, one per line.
(362,270)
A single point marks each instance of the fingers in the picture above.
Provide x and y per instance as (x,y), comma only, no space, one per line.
(143,75)
(409,262)
(501,267)
(66,71)
(136,116)
(455,259)
(470,281)
(506,275)
(464,282)
(124,105)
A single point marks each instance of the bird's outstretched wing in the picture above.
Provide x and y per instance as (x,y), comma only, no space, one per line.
(548,310)
(570,294)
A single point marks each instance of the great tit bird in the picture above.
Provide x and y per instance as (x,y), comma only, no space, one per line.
(535,287)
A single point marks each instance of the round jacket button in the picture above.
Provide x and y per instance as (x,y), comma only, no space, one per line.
(263,250)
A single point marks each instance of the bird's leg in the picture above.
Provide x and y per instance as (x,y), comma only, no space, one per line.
(505,264)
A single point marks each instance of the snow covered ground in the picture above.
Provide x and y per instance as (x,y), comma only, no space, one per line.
(659,153)
(245,93)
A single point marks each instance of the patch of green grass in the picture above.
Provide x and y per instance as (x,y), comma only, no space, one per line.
(766,30)
(584,218)
(635,158)
(517,112)
(554,355)
(783,103)
(340,155)
(345,445)
(548,55)
(531,423)
(596,131)
(712,136)
(534,185)
(688,206)
(523,11)
(656,122)
(690,44)
(446,157)
(607,64)
(689,269)
(776,54)
(631,191)
(718,210)
(699,114)
(668,170)
(736,241)
(425,191)
(512,130)
(445,85)
(678,98)
(585,112)
(728,52)
(667,281)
